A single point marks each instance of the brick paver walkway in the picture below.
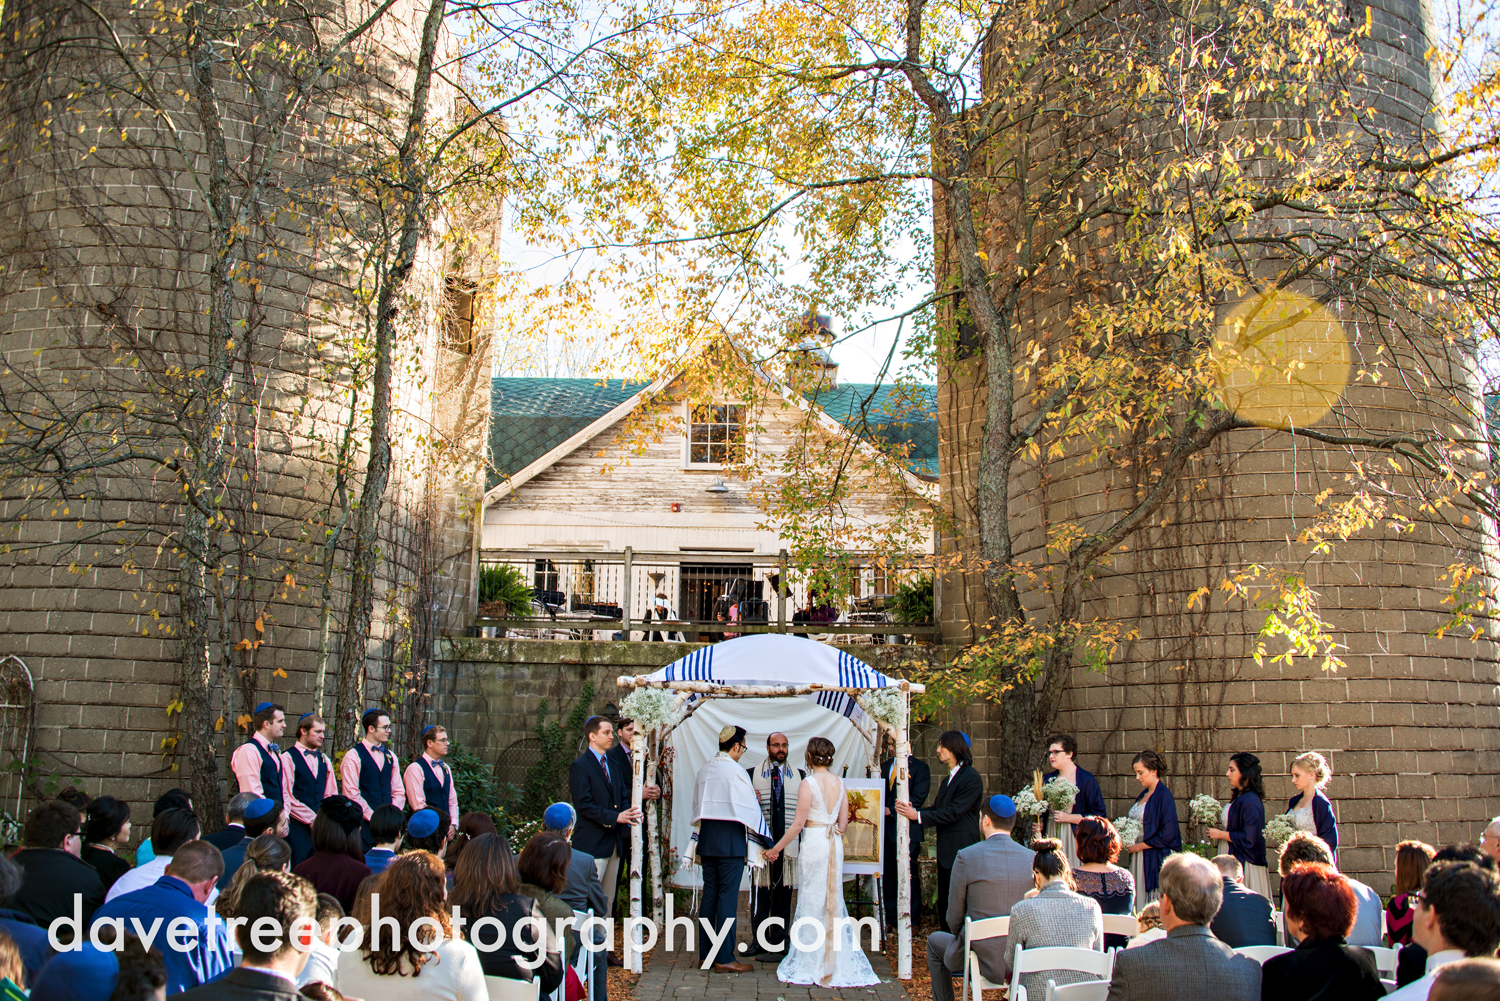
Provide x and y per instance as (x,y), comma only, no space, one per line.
(676,977)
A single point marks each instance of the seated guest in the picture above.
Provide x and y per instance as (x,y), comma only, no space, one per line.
(30,938)
(1189,962)
(200,953)
(323,960)
(413,952)
(584,891)
(1057,915)
(1304,847)
(387,825)
(54,880)
(87,974)
(337,864)
(427,831)
(485,886)
(542,871)
(1148,924)
(988,880)
(1320,910)
(265,853)
(169,831)
(1467,980)
(1412,860)
(470,826)
(172,799)
(1097,877)
(1411,962)
(106,830)
(233,831)
(12,972)
(364,900)
(1244,917)
(143,973)
(1457,915)
(276,906)
(264,816)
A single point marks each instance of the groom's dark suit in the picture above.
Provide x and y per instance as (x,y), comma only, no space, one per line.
(721,851)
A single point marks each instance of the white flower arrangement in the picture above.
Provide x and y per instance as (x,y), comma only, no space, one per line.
(1206,811)
(887,706)
(1279,830)
(649,707)
(1059,795)
(1027,805)
(1129,829)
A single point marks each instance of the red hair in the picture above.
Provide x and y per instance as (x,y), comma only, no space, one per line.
(1097,840)
(1320,899)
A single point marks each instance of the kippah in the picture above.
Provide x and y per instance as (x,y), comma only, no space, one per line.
(727,732)
(304,716)
(422,823)
(262,708)
(967,742)
(259,808)
(1002,806)
(558,817)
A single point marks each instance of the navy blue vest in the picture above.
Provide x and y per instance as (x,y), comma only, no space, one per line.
(375,783)
(270,771)
(307,788)
(435,792)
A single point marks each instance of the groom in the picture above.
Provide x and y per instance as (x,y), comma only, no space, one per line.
(730,824)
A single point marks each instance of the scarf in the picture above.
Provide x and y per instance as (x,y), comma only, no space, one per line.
(723,792)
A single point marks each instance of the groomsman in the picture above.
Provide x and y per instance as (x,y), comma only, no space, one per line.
(429,780)
(954,812)
(370,775)
(257,762)
(307,777)
(604,811)
(918,784)
(776,787)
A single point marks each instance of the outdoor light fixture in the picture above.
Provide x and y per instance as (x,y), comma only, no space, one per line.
(717,487)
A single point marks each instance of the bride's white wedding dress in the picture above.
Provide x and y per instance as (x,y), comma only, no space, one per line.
(838,961)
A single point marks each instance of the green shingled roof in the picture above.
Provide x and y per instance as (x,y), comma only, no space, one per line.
(530,417)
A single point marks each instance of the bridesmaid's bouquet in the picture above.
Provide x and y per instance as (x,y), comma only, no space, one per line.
(1206,811)
(1059,795)
(1130,830)
(1027,805)
(1279,830)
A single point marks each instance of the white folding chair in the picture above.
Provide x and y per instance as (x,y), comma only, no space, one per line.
(1280,921)
(1385,960)
(978,931)
(1091,990)
(1261,953)
(1056,957)
(1121,924)
(506,989)
(583,962)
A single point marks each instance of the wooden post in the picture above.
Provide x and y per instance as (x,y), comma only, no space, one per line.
(625,587)
(781,592)
(658,897)
(637,774)
(903,845)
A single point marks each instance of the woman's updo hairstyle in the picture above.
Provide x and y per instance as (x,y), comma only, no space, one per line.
(820,752)
(1050,860)
(1315,765)
(1153,761)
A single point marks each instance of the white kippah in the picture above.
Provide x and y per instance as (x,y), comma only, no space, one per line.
(727,732)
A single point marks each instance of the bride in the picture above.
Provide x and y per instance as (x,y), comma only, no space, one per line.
(836,961)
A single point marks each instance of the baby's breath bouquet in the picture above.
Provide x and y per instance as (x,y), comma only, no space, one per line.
(649,707)
(1059,795)
(1206,811)
(1129,829)
(1027,805)
(1279,830)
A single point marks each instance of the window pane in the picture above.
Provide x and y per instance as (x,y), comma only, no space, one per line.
(735,414)
(698,453)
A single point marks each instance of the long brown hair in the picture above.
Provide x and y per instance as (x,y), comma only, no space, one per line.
(486,873)
(544,862)
(264,854)
(1412,860)
(412,887)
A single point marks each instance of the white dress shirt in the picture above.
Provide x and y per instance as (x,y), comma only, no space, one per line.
(1418,990)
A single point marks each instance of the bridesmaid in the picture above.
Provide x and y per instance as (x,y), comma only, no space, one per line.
(1244,820)
(1310,809)
(1062,752)
(1156,811)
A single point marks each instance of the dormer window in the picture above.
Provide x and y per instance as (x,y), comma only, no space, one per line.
(716,434)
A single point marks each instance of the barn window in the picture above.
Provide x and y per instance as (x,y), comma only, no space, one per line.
(716,434)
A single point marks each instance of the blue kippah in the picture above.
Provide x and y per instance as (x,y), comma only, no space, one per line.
(423,823)
(263,707)
(303,717)
(1002,806)
(558,817)
(967,742)
(259,808)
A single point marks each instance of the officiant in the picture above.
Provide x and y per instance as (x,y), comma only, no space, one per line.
(731,831)
(776,784)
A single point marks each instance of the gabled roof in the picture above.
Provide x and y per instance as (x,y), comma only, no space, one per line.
(893,416)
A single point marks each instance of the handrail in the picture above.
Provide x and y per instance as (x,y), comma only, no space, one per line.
(739,628)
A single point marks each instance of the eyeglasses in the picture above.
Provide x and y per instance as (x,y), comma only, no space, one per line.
(1420,896)
(1056,750)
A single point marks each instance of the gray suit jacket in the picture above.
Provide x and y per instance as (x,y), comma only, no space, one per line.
(584,889)
(988,879)
(1188,963)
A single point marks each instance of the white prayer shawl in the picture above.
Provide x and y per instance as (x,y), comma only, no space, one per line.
(723,792)
(791,782)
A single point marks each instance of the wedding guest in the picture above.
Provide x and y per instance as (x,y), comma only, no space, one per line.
(954,812)
(172,799)
(1062,752)
(485,886)
(420,956)
(470,826)
(1411,962)
(1156,811)
(169,831)
(542,872)
(1467,980)
(1311,809)
(1244,820)
(30,938)
(584,892)
(276,907)
(323,960)
(1320,909)
(265,853)
(1412,860)
(364,900)
(264,816)
(231,834)
(1304,847)
(1489,839)
(337,865)
(106,831)
(12,970)
(1097,877)
(143,973)
(1148,925)
(387,827)
(52,873)
(1244,917)
(1457,915)
(1057,916)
